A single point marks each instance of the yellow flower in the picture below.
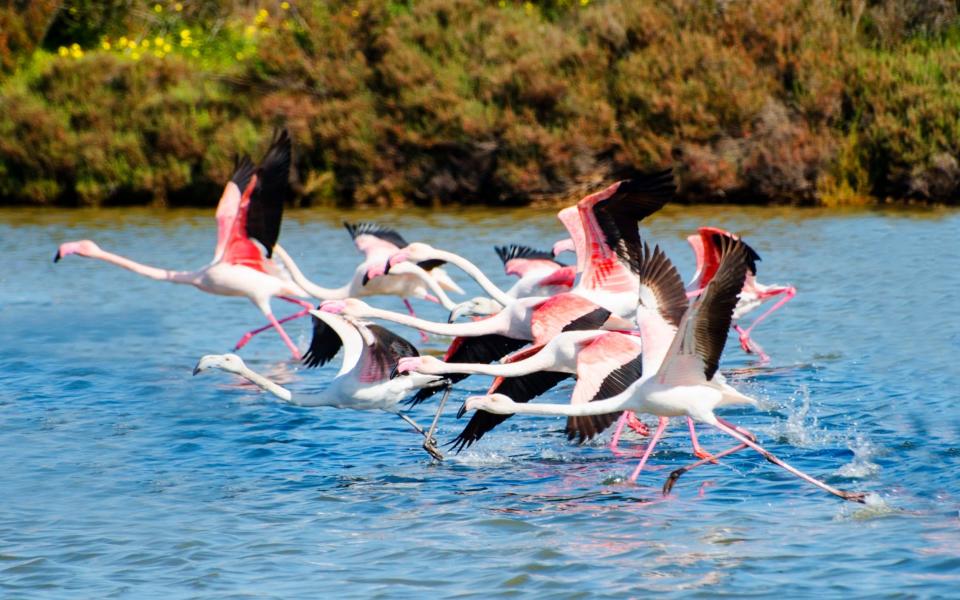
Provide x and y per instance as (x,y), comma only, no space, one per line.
(158,53)
(122,42)
(178,7)
(167,47)
(263,14)
(62,51)
(157,8)
(158,40)
(528,6)
(355,13)
(239,55)
(133,44)
(185,42)
(76,52)
(584,2)
(105,45)
(503,3)
(145,43)
(74,47)
(135,56)
(195,52)
(184,33)
(249,30)
(285,5)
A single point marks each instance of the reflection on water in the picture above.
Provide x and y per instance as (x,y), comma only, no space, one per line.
(126,476)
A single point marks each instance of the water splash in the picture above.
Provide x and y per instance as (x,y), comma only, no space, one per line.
(861,467)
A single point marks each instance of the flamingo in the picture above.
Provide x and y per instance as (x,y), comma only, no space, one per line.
(603,362)
(539,275)
(370,353)
(377,243)
(250,208)
(753,294)
(680,361)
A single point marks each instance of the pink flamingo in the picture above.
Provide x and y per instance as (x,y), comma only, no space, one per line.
(706,248)
(604,363)
(250,208)
(680,361)
(370,353)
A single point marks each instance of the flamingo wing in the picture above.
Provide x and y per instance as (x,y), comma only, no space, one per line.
(694,355)
(272,189)
(606,367)
(610,219)
(565,312)
(375,242)
(708,258)
(324,344)
(229,203)
(479,349)
(519,389)
(518,260)
(382,356)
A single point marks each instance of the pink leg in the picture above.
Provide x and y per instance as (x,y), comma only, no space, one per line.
(298,301)
(283,335)
(661,425)
(745,342)
(249,335)
(614,443)
(750,345)
(431,298)
(698,451)
(423,336)
(733,432)
(672,479)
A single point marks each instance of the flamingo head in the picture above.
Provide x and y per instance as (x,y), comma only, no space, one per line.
(565,245)
(349,307)
(225,362)
(497,404)
(415,252)
(481,306)
(83,248)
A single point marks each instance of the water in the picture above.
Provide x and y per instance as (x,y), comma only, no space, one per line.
(123,476)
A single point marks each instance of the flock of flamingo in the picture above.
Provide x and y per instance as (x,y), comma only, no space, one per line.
(620,320)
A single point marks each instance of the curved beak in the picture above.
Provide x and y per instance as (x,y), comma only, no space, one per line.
(457,312)
(197,369)
(57,257)
(386,268)
(365,279)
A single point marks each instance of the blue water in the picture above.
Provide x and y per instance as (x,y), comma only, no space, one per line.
(123,476)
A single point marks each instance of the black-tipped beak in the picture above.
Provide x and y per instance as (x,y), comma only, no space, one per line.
(196,369)
(57,257)
(365,279)
(394,373)
(386,268)
(462,411)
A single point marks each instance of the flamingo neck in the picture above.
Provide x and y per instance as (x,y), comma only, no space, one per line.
(473,271)
(586,409)
(472,328)
(408,268)
(266,384)
(320,293)
(146,270)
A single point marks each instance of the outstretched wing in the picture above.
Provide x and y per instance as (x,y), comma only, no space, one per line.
(229,203)
(382,356)
(375,242)
(324,344)
(694,355)
(479,349)
(606,366)
(272,189)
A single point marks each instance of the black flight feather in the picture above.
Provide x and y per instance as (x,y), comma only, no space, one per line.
(591,320)
(656,272)
(271,191)
(634,200)
(507,253)
(324,344)
(387,350)
(752,257)
(243,169)
(384,233)
(520,389)
(429,265)
(480,349)
(584,428)
(717,303)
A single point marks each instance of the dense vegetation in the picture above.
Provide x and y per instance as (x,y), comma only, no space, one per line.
(440,101)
